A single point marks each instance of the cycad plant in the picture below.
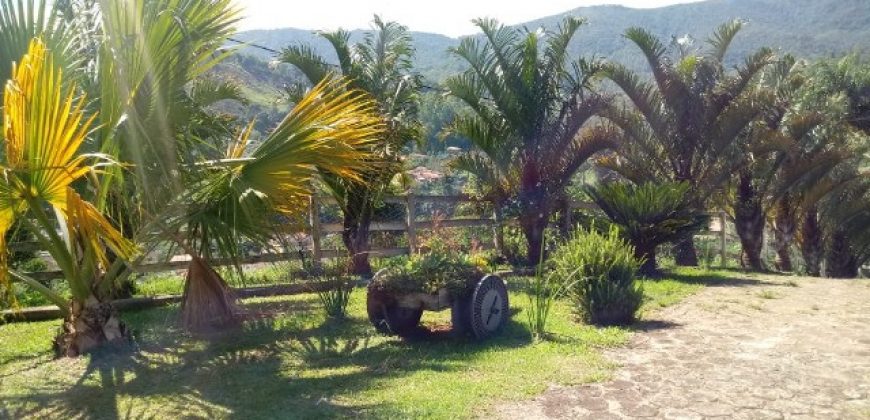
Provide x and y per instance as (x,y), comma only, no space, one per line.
(380,65)
(684,125)
(44,170)
(649,215)
(531,118)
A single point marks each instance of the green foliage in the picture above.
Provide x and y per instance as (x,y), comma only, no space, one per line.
(544,291)
(649,214)
(429,273)
(531,120)
(336,299)
(601,269)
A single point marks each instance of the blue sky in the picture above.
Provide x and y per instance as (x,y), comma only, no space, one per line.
(448,17)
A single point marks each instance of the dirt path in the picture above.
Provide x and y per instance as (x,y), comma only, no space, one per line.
(752,349)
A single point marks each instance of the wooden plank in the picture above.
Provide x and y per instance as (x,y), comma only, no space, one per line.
(454,223)
(411,222)
(375,227)
(53,312)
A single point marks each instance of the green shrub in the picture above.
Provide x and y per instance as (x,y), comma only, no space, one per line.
(649,215)
(600,269)
(335,300)
(429,273)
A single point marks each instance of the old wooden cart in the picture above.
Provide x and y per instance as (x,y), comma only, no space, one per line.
(481,310)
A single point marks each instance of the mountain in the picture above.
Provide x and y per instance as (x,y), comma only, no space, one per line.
(806,28)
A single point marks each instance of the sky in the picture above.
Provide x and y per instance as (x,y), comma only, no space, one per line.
(447,17)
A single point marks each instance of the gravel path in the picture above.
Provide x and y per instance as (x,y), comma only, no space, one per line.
(753,349)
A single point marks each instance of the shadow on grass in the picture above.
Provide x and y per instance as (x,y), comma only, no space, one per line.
(647,325)
(720,278)
(275,367)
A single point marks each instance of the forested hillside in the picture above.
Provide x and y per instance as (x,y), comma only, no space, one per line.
(805,28)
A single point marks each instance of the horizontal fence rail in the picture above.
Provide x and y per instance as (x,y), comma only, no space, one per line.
(408,226)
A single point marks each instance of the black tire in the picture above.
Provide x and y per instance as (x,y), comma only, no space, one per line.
(488,309)
(388,318)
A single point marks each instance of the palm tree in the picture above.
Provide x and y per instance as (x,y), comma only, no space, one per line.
(254,195)
(45,169)
(832,207)
(381,65)
(684,125)
(530,117)
(649,215)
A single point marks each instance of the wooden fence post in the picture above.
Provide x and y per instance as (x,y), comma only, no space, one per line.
(314,217)
(723,251)
(497,229)
(411,222)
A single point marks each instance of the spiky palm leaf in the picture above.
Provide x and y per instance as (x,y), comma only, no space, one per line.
(45,126)
(531,115)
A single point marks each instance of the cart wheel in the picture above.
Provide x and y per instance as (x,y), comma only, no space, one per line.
(389,318)
(488,310)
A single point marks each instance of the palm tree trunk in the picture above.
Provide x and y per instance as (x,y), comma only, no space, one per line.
(208,303)
(811,242)
(749,223)
(840,262)
(783,233)
(90,324)
(357,224)
(685,254)
(534,215)
(647,254)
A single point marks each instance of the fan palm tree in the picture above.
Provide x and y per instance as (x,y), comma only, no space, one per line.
(530,120)
(254,193)
(381,65)
(684,125)
(44,169)
(20,22)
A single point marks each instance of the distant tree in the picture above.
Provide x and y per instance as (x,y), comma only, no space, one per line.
(531,114)
(382,66)
(685,124)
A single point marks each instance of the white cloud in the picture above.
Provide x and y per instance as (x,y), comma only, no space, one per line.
(449,17)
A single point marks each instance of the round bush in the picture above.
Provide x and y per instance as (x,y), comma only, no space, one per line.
(599,271)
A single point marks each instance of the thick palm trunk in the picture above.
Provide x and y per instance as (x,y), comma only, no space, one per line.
(208,303)
(685,254)
(534,214)
(89,325)
(357,224)
(811,243)
(783,233)
(749,223)
(649,268)
(840,262)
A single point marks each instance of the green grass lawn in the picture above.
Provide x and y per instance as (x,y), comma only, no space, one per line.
(292,362)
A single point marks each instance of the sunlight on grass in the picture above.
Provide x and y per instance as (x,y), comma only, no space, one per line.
(291,361)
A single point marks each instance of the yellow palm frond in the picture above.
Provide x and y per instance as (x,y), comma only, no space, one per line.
(328,131)
(44,126)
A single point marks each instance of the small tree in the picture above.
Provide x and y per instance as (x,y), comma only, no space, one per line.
(45,127)
(381,66)
(531,117)
(649,215)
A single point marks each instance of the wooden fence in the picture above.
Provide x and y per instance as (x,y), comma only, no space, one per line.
(408,226)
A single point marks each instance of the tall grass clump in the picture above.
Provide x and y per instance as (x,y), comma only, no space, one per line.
(335,299)
(600,269)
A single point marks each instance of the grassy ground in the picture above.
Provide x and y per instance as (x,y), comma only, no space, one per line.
(292,362)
